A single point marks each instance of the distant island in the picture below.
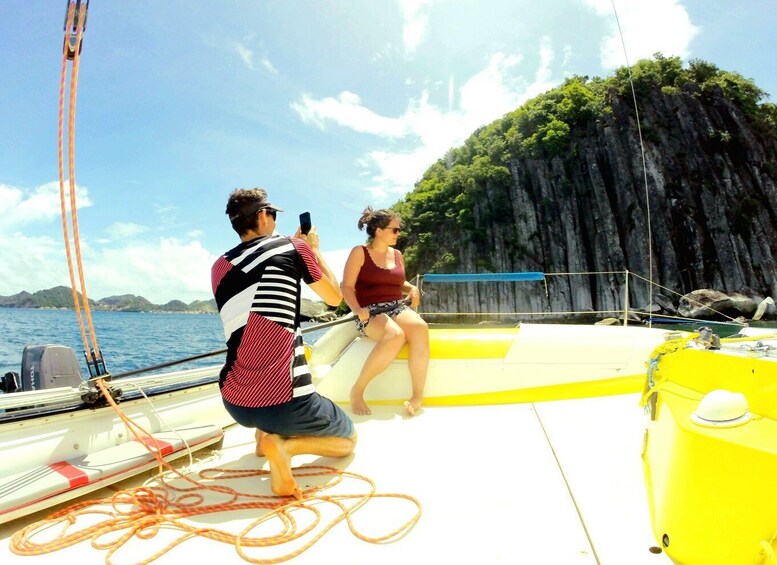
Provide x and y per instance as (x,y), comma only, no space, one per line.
(61,298)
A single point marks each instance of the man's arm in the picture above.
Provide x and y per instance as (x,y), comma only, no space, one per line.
(327,286)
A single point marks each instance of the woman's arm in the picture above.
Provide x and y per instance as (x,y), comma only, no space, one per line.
(350,273)
(408,288)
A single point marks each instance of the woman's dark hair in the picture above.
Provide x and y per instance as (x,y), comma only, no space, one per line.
(374,219)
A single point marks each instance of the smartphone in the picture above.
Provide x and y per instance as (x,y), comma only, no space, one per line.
(304,223)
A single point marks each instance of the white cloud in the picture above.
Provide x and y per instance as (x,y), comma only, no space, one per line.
(416,16)
(348,111)
(267,64)
(248,56)
(126,229)
(336,261)
(648,27)
(486,96)
(31,263)
(41,204)
(245,54)
(494,87)
(160,270)
(568,56)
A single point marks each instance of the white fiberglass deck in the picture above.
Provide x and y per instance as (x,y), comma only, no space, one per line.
(494,482)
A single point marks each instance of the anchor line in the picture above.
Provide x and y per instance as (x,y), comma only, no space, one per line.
(174,498)
(75,19)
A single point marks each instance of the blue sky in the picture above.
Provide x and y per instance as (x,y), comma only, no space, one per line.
(330,106)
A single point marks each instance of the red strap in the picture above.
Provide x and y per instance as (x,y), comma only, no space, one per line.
(77,477)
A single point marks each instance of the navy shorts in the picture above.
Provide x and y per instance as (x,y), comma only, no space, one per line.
(309,415)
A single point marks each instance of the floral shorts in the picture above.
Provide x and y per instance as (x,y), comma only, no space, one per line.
(391,309)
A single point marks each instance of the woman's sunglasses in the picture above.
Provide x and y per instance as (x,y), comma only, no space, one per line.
(393,230)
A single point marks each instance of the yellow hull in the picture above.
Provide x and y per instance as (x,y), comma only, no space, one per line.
(712,486)
(479,366)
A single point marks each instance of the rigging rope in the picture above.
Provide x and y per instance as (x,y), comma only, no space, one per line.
(644,163)
(143,512)
(75,20)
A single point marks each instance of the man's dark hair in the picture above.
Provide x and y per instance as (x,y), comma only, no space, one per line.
(243,206)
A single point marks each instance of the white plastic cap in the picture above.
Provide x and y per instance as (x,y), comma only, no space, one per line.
(722,408)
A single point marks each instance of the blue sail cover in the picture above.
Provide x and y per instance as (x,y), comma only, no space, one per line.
(482,277)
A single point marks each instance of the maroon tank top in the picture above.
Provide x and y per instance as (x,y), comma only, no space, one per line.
(375,284)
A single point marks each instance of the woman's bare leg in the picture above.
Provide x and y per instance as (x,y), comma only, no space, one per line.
(390,340)
(417,335)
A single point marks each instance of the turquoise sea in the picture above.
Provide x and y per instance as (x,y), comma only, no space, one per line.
(128,340)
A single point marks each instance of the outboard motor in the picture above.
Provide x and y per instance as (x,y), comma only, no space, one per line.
(49,366)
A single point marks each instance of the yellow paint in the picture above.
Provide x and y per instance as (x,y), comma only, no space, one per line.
(590,389)
(713,491)
(453,343)
(703,371)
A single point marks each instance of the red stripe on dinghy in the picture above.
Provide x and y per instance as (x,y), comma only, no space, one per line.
(45,492)
(154,443)
(75,476)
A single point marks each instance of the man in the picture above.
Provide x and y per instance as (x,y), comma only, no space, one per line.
(265,382)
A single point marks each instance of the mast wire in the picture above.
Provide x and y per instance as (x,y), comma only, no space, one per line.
(644,162)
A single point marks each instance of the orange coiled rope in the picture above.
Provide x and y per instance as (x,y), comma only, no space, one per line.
(144,512)
(75,18)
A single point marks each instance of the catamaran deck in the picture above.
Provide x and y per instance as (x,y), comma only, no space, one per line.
(546,483)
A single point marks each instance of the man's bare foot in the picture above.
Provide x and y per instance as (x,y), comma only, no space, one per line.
(281,478)
(413,405)
(358,406)
(259,435)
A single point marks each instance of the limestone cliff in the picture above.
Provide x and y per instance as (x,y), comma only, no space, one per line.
(576,199)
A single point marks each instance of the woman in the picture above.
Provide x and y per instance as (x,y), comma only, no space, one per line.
(373,287)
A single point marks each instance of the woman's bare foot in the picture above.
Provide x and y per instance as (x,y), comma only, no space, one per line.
(358,406)
(413,405)
(259,435)
(281,478)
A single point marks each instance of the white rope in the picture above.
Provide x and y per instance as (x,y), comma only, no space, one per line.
(163,422)
(587,273)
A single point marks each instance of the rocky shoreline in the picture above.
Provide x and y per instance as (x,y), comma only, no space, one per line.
(711,304)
